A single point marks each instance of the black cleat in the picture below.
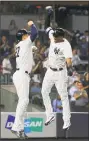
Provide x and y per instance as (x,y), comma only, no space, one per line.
(49,120)
(20,134)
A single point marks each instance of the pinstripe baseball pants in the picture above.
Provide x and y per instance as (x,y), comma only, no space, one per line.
(21,81)
(60,79)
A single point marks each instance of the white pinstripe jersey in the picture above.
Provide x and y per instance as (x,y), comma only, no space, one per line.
(58,52)
(24,56)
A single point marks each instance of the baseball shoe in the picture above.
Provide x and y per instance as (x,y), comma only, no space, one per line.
(20,134)
(49,120)
(66,126)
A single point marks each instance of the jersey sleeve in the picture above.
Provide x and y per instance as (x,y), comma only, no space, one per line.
(50,32)
(34,32)
(68,50)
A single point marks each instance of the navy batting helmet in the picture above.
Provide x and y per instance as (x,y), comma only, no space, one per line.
(20,33)
(58,32)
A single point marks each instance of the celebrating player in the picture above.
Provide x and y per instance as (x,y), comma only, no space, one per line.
(60,53)
(21,78)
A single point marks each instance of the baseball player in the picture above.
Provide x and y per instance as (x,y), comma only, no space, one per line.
(21,78)
(60,53)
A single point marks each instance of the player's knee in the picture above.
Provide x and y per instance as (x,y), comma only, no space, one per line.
(25,100)
(43,91)
(64,96)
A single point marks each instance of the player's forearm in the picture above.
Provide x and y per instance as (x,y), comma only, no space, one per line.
(70,68)
(34,30)
(69,62)
(47,21)
(48,14)
(49,30)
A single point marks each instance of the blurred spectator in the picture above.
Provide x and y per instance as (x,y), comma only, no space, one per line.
(83,48)
(35,84)
(46,64)
(34,48)
(1,68)
(12,30)
(39,55)
(4,46)
(6,65)
(13,59)
(86,33)
(36,88)
(36,79)
(79,95)
(75,59)
(57,105)
(37,100)
(73,89)
(38,43)
(75,77)
(86,82)
(12,27)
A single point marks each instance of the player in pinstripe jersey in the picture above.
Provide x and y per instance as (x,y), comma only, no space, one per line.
(21,78)
(60,53)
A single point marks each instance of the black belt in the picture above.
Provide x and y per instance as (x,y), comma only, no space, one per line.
(25,71)
(54,69)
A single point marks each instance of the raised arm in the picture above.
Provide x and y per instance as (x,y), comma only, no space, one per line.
(49,29)
(34,30)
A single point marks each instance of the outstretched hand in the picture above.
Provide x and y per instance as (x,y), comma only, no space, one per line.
(30,23)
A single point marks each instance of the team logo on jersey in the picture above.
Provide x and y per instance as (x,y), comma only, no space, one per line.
(30,125)
(56,51)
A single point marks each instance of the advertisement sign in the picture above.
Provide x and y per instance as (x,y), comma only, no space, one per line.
(33,125)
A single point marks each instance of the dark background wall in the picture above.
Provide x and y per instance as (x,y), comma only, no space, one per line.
(79,126)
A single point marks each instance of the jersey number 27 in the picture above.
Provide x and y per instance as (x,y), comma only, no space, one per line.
(17,51)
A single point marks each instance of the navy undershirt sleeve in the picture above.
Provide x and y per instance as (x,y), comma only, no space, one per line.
(34,32)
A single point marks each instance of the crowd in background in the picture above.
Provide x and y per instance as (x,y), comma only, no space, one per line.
(78,83)
(11,7)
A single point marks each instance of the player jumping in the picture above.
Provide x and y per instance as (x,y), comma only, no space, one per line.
(60,53)
(21,78)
